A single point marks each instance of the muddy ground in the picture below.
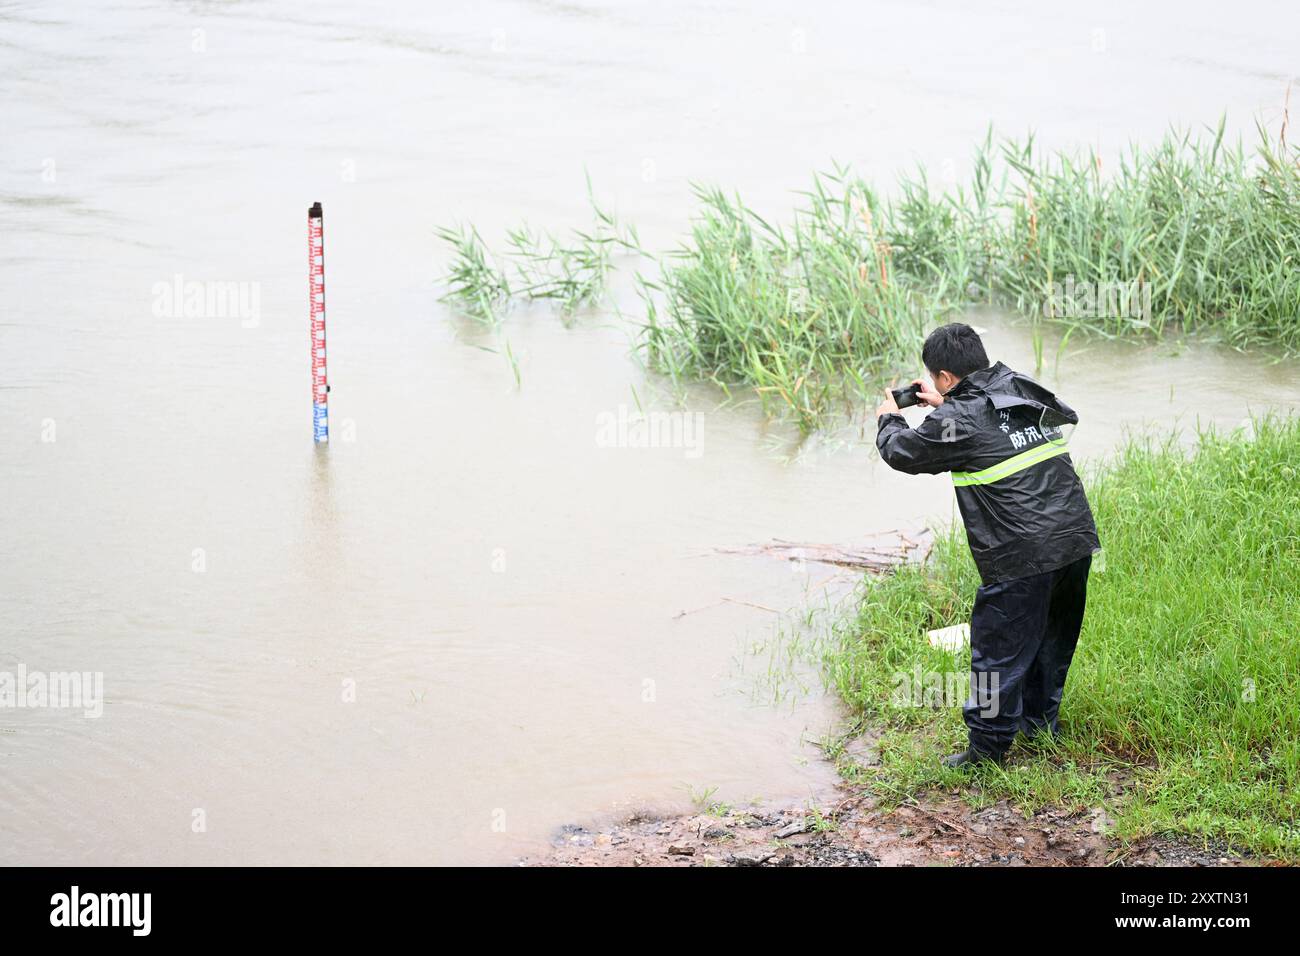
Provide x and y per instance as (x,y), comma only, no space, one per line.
(851,827)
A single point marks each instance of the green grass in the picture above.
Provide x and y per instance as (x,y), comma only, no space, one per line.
(1206,237)
(808,316)
(475,281)
(1192,234)
(572,272)
(1187,677)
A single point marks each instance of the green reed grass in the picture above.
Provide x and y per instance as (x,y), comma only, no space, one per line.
(573,272)
(1213,232)
(475,282)
(1188,669)
(806,316)
(1192,234)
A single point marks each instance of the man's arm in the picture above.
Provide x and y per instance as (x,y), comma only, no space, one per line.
(940,443)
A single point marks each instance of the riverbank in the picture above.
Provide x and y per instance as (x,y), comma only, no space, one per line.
(1180,739)
(856,826)
(1188,666)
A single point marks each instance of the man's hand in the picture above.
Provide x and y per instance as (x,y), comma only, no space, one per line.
(889,406)
(926,394)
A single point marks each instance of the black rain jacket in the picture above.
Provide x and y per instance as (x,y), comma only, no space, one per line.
(999,433)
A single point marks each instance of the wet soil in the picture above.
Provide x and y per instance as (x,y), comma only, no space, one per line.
(852,828)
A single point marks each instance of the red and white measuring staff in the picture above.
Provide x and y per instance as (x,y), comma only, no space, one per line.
(320,383)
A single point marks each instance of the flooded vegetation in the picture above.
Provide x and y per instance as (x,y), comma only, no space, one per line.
(518,588)
(1191,236)
(1194,235)
(571,272)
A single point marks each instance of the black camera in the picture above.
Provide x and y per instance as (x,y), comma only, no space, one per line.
(906,397)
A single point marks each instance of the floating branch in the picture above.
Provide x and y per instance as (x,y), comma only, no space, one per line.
(884,552)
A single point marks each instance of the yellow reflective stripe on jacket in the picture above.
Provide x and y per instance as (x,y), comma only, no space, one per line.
(1009,467)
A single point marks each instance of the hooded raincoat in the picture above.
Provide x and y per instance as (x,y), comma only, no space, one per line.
(999,433)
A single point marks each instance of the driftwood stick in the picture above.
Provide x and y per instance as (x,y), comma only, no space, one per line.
(875,556)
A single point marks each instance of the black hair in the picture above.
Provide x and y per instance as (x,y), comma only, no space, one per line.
(954,348)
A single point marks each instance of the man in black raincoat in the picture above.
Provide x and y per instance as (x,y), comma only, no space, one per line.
(1027,521)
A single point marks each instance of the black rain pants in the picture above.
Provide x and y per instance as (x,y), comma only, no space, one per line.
(1023,634)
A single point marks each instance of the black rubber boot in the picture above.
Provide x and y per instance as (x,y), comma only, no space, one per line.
(969,756)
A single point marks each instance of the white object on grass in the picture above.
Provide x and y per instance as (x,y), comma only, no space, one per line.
(950,638)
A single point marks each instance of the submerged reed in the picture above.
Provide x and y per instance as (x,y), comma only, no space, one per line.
(1195,235)
(799,315)
(475,282)
(1192,235)
(571,272)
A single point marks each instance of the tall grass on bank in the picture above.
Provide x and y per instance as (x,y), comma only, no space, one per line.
(1206,236)
(1191,234)
(1187,675)
(800,314)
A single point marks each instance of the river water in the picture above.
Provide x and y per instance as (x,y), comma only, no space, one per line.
(461,624)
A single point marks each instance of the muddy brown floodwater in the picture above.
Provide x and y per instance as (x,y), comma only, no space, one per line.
(459,626)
